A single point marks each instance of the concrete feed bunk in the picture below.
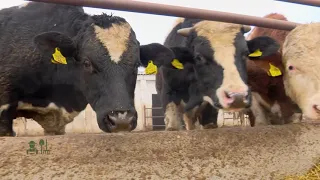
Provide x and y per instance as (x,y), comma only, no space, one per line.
(268,152)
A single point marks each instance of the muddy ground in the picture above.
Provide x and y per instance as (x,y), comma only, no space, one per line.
(269,152)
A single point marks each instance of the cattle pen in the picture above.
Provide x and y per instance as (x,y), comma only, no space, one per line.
(263,152)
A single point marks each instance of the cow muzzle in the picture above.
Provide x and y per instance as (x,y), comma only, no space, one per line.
(236,100)
(121,121)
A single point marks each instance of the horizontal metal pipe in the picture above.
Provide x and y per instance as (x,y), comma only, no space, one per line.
(315,3)
(178,11)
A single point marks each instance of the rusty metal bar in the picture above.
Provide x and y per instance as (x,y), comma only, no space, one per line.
(144,126)
(178,11)
(315,3)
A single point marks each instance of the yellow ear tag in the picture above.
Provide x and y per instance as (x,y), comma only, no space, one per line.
(58,58)
(54,62)
(274,71)
(151,68)
(257,53)
(177,64)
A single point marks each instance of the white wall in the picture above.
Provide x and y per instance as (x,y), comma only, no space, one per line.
(145,87)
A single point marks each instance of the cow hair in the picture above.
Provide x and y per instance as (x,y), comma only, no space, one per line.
(105,21)
(278,35)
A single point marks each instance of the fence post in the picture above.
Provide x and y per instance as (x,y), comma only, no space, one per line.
(144,123)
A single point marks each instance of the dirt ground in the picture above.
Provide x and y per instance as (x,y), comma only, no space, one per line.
(269,152)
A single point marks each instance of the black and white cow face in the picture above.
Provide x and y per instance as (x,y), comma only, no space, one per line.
(220,51)
(105,56)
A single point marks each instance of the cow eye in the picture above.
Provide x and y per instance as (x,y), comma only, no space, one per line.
(200,59)
(87,65)
(290,68)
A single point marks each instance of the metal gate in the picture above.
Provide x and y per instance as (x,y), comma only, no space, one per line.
(237,118)
(157,114)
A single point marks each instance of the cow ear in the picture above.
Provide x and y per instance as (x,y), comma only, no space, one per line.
(272,65)
(154,55)
(56,45)
(261,47)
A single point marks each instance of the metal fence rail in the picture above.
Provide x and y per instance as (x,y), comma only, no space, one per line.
(315,3)
(178,11)
(146,118)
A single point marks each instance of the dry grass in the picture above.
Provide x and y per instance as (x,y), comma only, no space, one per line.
(312,174)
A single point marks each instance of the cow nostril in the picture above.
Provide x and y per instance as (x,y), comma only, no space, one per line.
(316,108)
(246,97)
(111,119)
(229,95)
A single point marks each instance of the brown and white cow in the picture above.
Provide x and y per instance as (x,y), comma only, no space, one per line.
(270,104)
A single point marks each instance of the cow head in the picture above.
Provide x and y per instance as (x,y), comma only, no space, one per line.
(174,57)
(301,68)
(105,56)
(176,64)
(220,52)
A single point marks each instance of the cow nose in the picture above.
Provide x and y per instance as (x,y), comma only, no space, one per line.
(121,120)
(237,99)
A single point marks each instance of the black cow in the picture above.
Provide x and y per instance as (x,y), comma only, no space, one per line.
(219,51)
(55,59)
(177,82)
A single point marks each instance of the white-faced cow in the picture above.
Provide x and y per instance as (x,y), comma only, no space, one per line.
(270,104)
(55,59)
(300,68)
(220,52)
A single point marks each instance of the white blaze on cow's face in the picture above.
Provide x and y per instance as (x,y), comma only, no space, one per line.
(102,58)
(115,39)
(222,47)
(110,55)
(301,52)
(23,5)
(221,37)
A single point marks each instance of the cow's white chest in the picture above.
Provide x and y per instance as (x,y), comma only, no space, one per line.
(51,117)
(276,109)
(4,108)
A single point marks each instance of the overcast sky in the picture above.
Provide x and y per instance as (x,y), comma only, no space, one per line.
(154,28)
